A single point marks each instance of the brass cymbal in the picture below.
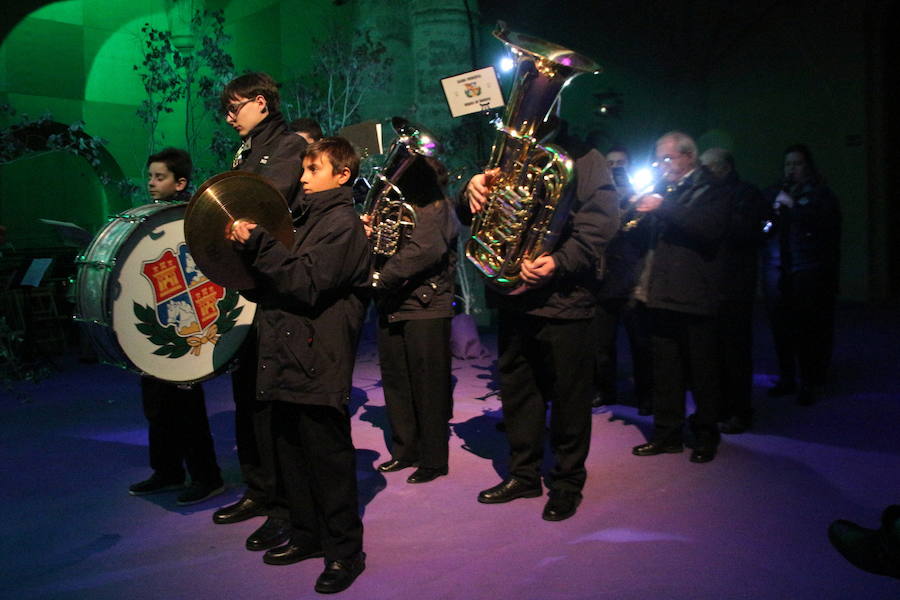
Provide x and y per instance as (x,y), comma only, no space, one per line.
(217,203)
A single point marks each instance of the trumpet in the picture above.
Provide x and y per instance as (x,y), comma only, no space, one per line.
(648,183)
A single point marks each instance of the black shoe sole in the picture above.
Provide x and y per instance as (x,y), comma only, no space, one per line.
(212,493)
(166,488)
(279,562)
(671,450)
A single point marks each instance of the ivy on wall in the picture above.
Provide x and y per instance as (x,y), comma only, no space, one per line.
(193,74)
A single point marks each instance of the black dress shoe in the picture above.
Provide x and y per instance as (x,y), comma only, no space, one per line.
(243,509)
(508,490)
(426,474)
(274,532)
(393,465)
(703,455)
(652,449)
(340,574)
(561,505)
(290,553)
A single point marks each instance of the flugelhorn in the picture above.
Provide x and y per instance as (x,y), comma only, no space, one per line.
(527,203)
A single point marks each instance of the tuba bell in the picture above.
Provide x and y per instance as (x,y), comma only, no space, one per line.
(528,202)
(392,217)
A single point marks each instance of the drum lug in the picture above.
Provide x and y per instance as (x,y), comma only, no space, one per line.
(80,319)
(96,264)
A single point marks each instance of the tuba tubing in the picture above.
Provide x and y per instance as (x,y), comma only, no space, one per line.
(392,217)
(529,200)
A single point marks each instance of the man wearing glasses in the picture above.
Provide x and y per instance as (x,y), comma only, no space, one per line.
(680,283)
(268,148)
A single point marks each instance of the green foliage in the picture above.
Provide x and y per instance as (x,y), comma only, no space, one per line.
(194,76)
(346,67)
(28,137)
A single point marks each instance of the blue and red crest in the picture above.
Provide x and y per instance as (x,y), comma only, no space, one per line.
(188,309)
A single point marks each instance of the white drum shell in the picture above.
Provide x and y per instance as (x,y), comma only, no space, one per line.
(115,301)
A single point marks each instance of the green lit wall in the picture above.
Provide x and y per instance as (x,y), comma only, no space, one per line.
(797,75)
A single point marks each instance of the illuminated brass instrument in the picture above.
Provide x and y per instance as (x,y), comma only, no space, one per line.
(393,218)
(527,203)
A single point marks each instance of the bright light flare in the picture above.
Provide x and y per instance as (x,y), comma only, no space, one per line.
(643,178)
(507,64)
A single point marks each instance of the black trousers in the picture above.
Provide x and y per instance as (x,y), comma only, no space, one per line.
(735,349)
(415,375)
(634,317)
(178,431)
(547,361)
(685,357)
(253,434)
(801,311)
(318,467)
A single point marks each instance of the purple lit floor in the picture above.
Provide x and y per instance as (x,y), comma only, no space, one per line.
(751,524)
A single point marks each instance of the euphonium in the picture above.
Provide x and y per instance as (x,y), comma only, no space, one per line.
(393,218)
(527,203)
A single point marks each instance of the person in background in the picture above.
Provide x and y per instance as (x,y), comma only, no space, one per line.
(740,266)
(621,265)
(681,285)
(308,129)
(177,425)
(801,262)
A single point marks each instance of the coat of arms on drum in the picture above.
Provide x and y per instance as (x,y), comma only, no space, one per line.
(190,310)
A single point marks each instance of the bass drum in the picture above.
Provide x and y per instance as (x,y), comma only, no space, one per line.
(146,307)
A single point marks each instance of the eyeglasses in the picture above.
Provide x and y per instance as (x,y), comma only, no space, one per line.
(232,110)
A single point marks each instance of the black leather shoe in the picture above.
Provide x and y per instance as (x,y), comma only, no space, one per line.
(243,509)
(340,574)
(508,490)
(290,553)
(652,449)
(394,465)
(561,505)
(274,532)
(426,474)
(703,455)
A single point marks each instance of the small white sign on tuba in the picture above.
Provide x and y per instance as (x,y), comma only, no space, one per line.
(472,92)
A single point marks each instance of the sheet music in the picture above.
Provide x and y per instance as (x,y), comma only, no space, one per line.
(36,271)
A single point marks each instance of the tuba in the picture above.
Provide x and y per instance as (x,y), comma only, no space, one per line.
(528,202)
(393,218)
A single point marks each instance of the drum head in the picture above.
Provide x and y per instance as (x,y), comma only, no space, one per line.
(169,319)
